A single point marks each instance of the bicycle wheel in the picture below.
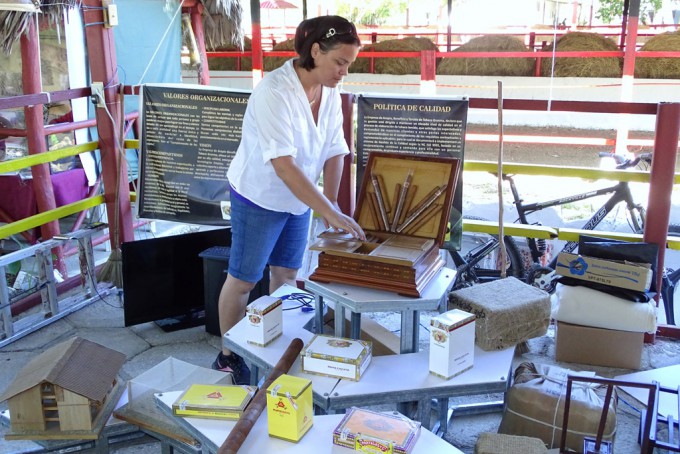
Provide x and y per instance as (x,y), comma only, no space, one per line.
(481,255)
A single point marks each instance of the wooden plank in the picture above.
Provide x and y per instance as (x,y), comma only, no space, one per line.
(74,412)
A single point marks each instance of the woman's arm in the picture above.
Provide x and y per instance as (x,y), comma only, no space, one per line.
(332,174)
(306,191)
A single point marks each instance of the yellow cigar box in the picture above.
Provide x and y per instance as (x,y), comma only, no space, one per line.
(290,409)
(403,206)
(213,401)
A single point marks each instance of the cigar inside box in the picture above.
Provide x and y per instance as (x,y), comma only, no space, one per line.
(403,206)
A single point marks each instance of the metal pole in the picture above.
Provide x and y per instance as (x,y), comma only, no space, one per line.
(662,174)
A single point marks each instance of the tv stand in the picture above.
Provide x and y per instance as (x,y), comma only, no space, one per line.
(190,320)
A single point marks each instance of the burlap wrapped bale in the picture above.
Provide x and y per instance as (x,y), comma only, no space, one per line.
(397,66)
(490,66)
(580,66)
(507,311)
(491,443)
(660,68)
(535,407)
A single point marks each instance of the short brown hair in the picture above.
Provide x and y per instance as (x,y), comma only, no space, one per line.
(328,31)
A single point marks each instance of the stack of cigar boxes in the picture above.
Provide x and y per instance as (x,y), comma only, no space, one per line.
(403,206)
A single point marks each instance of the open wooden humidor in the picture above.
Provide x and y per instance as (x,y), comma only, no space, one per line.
(403,206)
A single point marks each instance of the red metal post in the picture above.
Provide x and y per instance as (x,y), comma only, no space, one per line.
(101,54)
(428,66)
(257,41)
(347,191)
(631,38)
(661,178)
(35,129)
(197,26)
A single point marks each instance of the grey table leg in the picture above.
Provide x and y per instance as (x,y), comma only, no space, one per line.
(355,325)
(339,320)
(318,313)
(254,373)
(410,324)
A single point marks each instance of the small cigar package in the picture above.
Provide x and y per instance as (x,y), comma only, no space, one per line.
(369,431)
(452,343)
(336,357)
(213,401)
(290,411)
(403,206)
(265,320)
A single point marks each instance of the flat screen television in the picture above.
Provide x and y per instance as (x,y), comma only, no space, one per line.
(163,278)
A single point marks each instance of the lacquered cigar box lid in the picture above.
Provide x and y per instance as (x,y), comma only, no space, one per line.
(337,349)
(263,305)
(450,320)
(370,431)
(430,183)
(213,401)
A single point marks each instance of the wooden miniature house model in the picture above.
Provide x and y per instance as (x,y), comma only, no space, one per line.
(64,389)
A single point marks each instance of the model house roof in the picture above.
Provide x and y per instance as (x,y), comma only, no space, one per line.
(81,366)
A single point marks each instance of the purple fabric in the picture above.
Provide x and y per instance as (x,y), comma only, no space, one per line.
(17,197)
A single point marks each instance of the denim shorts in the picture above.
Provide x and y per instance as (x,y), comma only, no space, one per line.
(260,237)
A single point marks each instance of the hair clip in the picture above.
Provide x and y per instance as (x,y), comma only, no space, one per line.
(330,32)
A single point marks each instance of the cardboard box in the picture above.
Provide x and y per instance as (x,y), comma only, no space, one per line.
(290,409)
(213,401)
(628,275)
(452,343)
(370,431)
(598,346)
(265,320)
(336,357)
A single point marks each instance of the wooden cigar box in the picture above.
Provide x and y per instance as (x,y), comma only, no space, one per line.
(400,255)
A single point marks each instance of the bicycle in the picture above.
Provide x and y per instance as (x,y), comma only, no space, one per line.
(480,262)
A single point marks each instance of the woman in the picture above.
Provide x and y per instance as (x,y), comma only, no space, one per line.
(292,131)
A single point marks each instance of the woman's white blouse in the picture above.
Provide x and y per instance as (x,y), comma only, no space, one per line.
(279,122)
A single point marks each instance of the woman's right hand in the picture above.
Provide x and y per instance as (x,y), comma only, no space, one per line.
(341,222)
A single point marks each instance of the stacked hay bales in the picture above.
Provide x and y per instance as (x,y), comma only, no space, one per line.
(230,63)
(271,63)
(660,68)
(489,66)
(396,66)
(579,66)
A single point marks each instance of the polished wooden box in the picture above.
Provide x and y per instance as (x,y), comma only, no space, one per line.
(403,206)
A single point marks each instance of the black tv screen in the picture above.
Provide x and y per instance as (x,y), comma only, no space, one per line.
(163,277)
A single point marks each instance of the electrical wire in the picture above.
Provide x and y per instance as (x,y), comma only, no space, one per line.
(304,301)
(172,20)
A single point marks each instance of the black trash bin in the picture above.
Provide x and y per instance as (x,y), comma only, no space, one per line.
(215,266)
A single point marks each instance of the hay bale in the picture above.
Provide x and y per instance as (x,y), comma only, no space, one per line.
(397,66)
(579,66)
(229,63)
(660,68)
(489,66)
(271,63)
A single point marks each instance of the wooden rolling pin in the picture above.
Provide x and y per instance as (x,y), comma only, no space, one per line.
(259,402)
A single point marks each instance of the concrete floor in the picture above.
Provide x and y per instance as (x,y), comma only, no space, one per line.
(146,345)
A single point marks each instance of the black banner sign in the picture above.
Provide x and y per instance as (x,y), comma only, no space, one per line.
(189,137)
(415,126)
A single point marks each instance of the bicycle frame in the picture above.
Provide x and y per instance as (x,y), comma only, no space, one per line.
(620,192)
